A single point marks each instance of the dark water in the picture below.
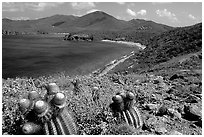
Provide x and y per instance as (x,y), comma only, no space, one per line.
(34,56)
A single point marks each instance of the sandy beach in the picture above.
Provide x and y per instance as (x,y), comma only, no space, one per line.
(111,65)
(127,43)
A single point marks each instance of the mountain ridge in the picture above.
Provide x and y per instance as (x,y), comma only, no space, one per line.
(99,21)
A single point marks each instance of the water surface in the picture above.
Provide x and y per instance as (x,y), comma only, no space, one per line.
(34,56)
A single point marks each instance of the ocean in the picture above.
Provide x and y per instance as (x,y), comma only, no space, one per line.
(34,56)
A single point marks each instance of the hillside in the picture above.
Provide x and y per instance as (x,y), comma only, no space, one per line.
(176,56)
(43,24)
(162,103)
(96,21)
(168,45)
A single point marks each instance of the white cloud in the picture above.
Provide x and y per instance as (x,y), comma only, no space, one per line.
(92,10)
(43,5)
(82,5)
(11,7)
(168,14)
(156,3)
(133,13)
(192,17)
(130,12)
(142,12)
(121,3)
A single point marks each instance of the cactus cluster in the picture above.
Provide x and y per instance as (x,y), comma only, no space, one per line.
(124,109)
(46,115)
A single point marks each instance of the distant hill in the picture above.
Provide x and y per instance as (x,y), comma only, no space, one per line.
(140,24)
(44,24)
(96,22)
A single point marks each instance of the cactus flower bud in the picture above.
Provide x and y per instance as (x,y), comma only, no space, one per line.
(123,94)
(130,96)
(40,107)
(33,95)
(95,88)
(24,104)
(59,99)
(117,99)
(53,88)
(30,128)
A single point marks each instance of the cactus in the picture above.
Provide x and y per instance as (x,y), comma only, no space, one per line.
(123,108)
(48,115)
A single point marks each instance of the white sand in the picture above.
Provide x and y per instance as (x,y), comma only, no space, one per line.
(112,64)
(127,43)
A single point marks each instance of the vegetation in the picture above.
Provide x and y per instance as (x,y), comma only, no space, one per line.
(90,107)
(166,46)
(173,43)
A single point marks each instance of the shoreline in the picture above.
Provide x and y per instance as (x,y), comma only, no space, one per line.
(102,71)
(108,67)
(132,44)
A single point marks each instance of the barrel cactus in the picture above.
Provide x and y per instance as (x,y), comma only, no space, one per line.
(124,109)
(46,115)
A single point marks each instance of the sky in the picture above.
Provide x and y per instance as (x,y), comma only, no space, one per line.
(176,14)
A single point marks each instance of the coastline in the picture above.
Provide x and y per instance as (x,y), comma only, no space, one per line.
(102,71)
(111,65)
(127,43)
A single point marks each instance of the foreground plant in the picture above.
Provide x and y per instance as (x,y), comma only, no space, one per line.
(46,115)
(124,109)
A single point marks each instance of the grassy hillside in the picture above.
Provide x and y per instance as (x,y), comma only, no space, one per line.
(168,45)
(91,110)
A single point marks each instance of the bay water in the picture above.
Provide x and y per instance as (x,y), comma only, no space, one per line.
(34,56)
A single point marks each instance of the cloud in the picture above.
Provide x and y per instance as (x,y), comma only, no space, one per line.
(192,17)
(121,3)
(168,14)
(92,10)
(82,5)
(11,7)
(133,13)
(142,12)
(43,5)
(21,6)
(156,3)
(130,12)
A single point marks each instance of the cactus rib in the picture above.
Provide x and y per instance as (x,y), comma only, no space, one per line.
(136,116)
(129,117)
(59,127)
(68,122)
(124,116)
(46,129)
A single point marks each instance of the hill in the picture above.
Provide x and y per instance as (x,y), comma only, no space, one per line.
(166,46)
(44,24)
(96,23)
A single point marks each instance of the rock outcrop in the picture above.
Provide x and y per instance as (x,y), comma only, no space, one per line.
(78,37)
